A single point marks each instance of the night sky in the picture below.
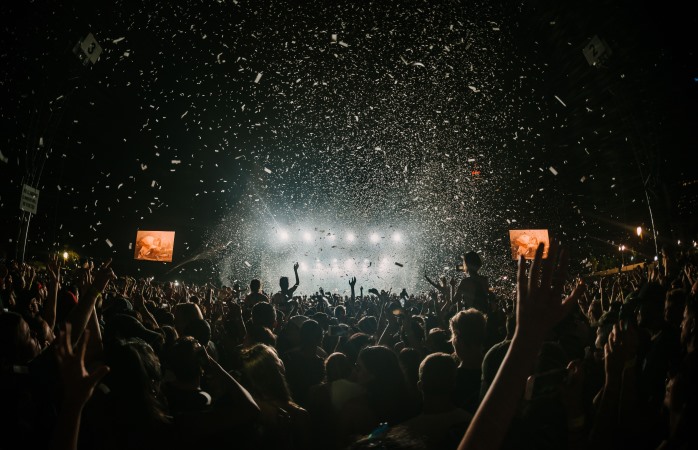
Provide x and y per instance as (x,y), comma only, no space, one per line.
(449,122)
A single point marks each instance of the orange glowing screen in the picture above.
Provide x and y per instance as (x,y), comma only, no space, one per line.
(154,245)
(525,242)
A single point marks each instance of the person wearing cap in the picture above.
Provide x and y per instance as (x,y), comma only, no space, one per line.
(124,326)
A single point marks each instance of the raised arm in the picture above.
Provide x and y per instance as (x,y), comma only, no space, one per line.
(538,309)
(352,285)
(81,313)
(429,280)
(78,386)
(54,272)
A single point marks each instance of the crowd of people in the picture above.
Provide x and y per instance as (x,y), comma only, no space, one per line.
(92,360)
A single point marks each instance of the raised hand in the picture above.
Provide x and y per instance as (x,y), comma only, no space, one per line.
(103,276)
(539,304)
(295,267)
(614,356)
(352,282)
(53,266)
(77,382)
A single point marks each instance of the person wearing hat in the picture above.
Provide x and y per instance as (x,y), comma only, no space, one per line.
(125,326)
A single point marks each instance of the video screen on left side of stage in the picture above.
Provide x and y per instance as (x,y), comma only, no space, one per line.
(154,245)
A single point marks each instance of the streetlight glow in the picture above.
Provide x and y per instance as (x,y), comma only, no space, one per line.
(65,255)
(639,231)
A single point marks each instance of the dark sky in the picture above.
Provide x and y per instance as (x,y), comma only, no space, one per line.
(226,121)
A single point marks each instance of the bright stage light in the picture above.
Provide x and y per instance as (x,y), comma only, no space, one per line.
(375,238)
(283,234)
(65,255)
(397,237)
(307,236)
(303,267)
(351,237)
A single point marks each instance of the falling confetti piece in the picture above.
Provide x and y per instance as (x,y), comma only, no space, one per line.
(259,77)
(552,170)
(248,264)
(267,170)
(108,242)
(561,102)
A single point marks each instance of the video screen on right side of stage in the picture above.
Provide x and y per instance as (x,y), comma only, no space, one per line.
(525,242)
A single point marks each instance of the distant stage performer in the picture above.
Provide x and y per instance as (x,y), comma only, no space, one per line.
(527,246)
(148,247)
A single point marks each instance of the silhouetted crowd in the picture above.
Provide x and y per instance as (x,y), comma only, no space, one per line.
(90,360)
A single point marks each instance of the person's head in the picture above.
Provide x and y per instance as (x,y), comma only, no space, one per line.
(437,375)
(264,314)
(310,334)
(378,365)
(27,304)
(264,373)
(283,283)
(438,341)
(468,330)
(337,367)
(255,285)
(200,330)
(41,331)
(368,325)
(134,382)
(409,362)
(472,262)
(674,305)
(184,359)
(125,326)
(378,371)
(17,344)
(651,313)
(184,314)
(257,334)
(356,343)
(604,328)
(340,312)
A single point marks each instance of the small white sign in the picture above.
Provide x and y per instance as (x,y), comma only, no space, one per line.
(29,200)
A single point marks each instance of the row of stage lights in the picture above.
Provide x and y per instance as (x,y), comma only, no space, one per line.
(337,266)
(307,236)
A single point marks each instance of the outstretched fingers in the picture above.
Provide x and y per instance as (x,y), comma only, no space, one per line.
(534,273)
(521,279)
(549,265)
